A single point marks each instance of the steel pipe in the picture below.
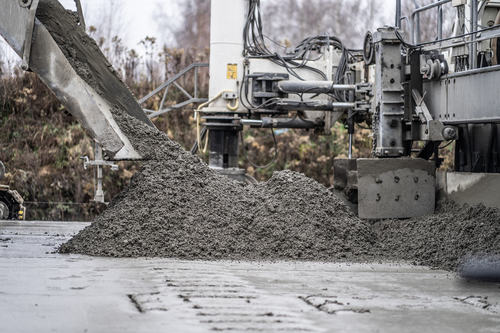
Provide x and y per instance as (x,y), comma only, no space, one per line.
(473,29)
(289,123)
(251,122)
(440,23)
(487,33)
(313,87)
(429,6)
(321,105)
(398,14)
(281,123)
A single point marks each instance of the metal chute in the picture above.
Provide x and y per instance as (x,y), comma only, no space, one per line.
(33,42)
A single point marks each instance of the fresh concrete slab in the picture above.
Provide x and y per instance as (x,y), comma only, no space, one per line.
(41,291)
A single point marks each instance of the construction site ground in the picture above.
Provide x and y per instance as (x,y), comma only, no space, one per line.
(42,291)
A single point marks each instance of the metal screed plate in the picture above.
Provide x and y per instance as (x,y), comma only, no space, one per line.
(395,188)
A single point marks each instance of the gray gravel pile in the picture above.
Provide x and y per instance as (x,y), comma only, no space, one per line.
(177,207)
(443,239)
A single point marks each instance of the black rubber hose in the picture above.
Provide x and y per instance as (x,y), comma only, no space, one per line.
(195,147)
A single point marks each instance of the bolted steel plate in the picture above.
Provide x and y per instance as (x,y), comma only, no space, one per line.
(396,188)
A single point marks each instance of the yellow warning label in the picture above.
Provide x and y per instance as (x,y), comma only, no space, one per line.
(232,71)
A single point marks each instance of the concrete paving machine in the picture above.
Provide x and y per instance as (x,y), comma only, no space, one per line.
(415,96)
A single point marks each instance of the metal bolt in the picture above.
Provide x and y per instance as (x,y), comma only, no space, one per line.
(449,133)
(396,179)
(378,181)
(25,3)
(378,197)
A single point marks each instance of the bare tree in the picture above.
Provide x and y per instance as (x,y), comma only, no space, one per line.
(107,25)
(132,61)
(196,30)
(193,28)
(150,51)
(293,20)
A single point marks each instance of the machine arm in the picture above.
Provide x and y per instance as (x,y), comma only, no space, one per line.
(32,41)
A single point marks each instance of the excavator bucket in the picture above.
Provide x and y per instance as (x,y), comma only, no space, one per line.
(52,45)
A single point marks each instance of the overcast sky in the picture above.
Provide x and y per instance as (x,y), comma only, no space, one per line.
(139,16)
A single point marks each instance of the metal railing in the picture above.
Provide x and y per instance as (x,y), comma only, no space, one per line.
(472,38)
(415,20)
(191,98)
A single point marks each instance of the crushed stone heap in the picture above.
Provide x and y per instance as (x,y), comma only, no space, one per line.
(178,207)
(441,240)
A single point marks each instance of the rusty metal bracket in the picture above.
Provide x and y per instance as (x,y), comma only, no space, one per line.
(32,5)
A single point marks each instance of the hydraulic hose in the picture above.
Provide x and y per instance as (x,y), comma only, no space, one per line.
(230,107)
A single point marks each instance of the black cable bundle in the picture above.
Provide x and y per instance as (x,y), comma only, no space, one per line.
(255,47)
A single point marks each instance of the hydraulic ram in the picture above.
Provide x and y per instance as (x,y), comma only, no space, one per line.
(313,87)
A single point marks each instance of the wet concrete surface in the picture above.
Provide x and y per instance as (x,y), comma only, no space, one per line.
(41,291)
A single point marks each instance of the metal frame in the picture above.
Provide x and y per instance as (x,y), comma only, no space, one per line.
(487,33)
(98,163)
(415,22)
(465,97)
(388,103)
(473,28)
(194,98)
(398,14)
(462,97)
(454,41)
